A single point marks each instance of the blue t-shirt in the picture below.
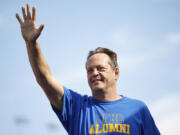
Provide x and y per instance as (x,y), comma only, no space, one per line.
(83,115)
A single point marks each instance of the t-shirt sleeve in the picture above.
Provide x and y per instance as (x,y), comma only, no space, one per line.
(148,124)
(71,106)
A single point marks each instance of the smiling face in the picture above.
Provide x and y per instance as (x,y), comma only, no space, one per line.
(101,76)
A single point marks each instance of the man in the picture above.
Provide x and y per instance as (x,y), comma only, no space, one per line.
(106,112)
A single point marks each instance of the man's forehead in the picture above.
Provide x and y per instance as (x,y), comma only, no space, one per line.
(99,58)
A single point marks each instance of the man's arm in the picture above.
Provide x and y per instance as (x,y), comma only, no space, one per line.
(48,83)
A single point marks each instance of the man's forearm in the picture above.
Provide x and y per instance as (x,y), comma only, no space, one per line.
(38,62)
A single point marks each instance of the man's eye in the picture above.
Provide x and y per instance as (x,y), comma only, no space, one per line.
(90,70)
(101,68)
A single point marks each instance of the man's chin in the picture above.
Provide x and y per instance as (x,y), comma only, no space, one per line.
(96,89)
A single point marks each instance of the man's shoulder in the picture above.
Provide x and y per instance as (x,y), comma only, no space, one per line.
(134,102)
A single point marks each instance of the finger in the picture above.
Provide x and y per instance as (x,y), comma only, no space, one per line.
(28,12)
(19,19)
(34,13)
(24,13)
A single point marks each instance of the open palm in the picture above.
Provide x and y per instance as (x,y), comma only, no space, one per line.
(30,31)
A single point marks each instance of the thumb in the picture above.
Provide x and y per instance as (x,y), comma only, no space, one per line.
(40,28)
(38,32)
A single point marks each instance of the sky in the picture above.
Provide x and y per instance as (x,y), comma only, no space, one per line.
(144,33)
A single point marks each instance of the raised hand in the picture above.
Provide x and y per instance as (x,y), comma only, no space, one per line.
(29,30)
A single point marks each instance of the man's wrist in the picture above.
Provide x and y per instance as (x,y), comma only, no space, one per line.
(31,42)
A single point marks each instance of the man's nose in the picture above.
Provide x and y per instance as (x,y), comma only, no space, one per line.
(95,72)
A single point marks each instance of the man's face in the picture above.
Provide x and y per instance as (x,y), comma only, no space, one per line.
(100,74)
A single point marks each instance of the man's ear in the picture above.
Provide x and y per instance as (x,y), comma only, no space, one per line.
(117,72)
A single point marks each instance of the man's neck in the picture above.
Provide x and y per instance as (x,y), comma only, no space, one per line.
(110,95)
